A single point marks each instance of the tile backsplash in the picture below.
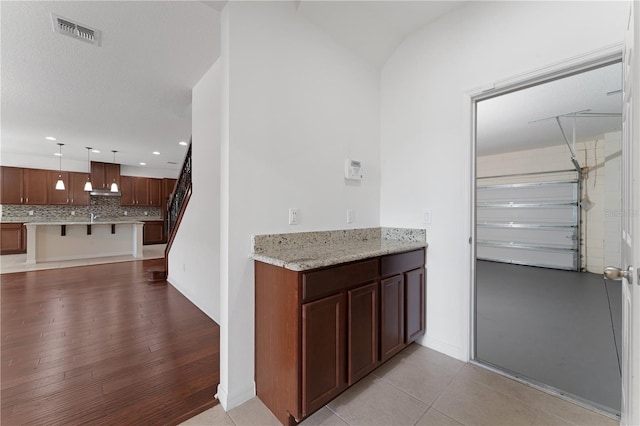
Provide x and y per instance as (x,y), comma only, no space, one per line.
(99,205)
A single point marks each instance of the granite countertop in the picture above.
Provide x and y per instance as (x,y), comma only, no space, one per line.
(85,222)
(310,250)
(78,220)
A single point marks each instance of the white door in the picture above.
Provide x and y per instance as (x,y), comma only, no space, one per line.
(630,409)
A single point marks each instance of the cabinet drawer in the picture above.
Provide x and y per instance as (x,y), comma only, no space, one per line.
(332,280)
(402,262)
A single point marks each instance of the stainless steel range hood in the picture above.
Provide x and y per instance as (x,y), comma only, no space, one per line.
(105,193)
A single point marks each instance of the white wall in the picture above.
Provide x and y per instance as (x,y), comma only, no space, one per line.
(297,106)
(194,260)
(426,126)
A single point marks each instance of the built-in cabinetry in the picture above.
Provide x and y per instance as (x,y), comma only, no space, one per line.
(320,331)
(37,187)
(140,191)
(73,193)
(104,174)
(153,232)
(12,185)
(13,238)
(36,190)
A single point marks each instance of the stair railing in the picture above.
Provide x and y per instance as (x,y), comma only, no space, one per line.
(177,203)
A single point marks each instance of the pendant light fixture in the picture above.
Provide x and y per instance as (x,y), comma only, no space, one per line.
(87,185)
(60,183)
(114,185)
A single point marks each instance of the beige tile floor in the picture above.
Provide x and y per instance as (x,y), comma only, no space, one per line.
(426,388)
(17,262)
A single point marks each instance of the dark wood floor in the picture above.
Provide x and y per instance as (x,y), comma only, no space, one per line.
(99,345)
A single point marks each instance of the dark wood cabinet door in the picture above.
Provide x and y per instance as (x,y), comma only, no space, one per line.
(323,351)
(98,175)
(111,174)
(12,185)
(36,188)
(77,195)
(153,232)
(141,191)
(155,192)
(391,316)
(414,304)
(362,331)
(58,196)
(128,191)
(12,238)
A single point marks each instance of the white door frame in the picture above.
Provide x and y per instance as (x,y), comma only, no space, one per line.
(595,59)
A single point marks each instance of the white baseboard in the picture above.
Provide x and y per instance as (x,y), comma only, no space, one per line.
(230,402)
(444,347)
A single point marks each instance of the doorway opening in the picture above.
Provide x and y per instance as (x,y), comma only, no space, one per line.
(547,222)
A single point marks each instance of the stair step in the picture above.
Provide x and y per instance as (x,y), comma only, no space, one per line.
(157,275)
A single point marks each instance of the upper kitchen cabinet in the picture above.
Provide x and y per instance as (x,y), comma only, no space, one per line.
(77,195)
(73,193)
(36,188)
(140,191)
(104,174)
(58,196)
(12,185)
(155,192)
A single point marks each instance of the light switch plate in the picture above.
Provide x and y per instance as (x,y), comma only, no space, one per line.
(426,217)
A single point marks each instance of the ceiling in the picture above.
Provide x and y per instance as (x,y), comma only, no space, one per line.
(132,93)
(374,29)
(525,119)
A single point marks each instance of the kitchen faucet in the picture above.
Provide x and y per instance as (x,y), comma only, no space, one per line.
(94,217)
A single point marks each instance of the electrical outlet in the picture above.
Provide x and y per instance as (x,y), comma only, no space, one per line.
(146,213)
(350,216)
(73,212)
(293,216)
(126,213)
(30,212)
(426,217)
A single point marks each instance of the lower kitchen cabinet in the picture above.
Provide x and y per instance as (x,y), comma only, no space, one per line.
(319,332)
(392,314)
(323,351)
(362,329)
(415,300)
(13,238)
(153,232)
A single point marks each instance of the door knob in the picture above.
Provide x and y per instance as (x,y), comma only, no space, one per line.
(614,273)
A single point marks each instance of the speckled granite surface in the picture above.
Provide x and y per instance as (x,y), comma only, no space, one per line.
(309,250)
(77,219)
(84,222)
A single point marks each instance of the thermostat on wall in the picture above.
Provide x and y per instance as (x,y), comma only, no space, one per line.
(353,170)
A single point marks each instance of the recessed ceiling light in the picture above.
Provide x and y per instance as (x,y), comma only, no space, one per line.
(57,154)
(156,153)
(51,138)
(143,164)
(183,143)
(95,151)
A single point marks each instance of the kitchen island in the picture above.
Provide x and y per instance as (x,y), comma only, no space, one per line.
(68,240)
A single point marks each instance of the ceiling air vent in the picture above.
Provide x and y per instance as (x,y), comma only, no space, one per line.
(75,30)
